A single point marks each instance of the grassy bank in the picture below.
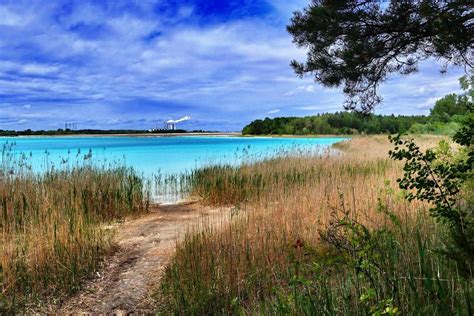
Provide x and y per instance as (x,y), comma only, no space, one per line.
(315,235)
(52,232)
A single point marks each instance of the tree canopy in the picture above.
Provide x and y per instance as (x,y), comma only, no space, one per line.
(357,44)
(450,105)
(334,123)
(446,118)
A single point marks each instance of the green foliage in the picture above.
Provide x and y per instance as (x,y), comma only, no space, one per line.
(337,123)
(437,183)
(384,307)
(448,106)
(448,115)
(375,259)
(445,179)
(446,182)
(358,44)
(435,128)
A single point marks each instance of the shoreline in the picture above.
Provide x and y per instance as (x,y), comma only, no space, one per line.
(151,135)
(129,135)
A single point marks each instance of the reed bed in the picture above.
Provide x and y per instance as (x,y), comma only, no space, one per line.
(320,234)
(52,226)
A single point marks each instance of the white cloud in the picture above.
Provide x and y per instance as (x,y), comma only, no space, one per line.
(309,108)
(9,18)
(286,8)
(319,108)
(301,89)
(238,70)
(428,103)
(39,69)
(273,111)
(185,11)
(28,68)
(310,89)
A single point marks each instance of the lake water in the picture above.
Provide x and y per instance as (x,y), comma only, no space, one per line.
(151,155)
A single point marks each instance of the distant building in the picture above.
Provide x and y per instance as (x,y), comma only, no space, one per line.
(71,126)
(170,126)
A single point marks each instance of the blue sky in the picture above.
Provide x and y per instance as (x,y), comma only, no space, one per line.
(136,63)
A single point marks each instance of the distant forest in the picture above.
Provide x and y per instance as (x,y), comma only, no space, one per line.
(333,123)
(60,132)
(445,118)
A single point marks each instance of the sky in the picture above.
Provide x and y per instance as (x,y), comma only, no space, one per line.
(115,64)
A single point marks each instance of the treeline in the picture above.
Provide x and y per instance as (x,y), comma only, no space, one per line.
(60,132)
(445,118)
(334,123)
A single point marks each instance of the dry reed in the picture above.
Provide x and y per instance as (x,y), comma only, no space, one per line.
(270,255)
(52,235)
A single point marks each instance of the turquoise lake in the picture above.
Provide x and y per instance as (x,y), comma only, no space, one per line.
(151,155)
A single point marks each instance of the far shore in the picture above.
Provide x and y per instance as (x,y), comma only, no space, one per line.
(134,135)
(216,134)
(209,134)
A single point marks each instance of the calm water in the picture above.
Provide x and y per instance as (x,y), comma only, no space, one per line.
(151,155)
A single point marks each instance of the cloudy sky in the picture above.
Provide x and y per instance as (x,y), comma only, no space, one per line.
(136,63)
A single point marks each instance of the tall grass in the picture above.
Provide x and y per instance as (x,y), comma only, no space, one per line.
(202,182)
(52,235)
(314,235)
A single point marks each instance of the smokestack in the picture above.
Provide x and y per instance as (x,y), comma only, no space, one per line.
(183,119)
(171,124)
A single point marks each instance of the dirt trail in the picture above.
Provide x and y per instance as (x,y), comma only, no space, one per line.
(145,244)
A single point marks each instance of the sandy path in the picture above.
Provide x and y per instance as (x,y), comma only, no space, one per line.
(145,246)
